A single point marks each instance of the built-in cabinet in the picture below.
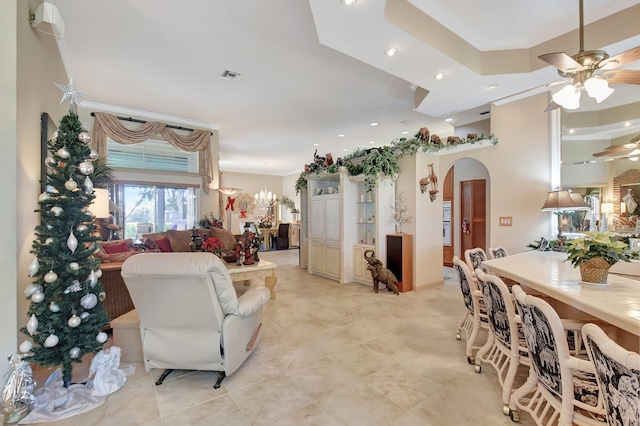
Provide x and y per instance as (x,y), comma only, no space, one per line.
(347,217)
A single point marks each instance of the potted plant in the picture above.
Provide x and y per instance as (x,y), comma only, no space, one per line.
(595,253)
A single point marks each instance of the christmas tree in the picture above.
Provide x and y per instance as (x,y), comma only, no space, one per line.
(66,315)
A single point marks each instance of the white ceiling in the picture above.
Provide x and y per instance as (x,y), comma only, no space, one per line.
(312,70)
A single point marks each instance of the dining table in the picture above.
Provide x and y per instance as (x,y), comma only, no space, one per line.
(547,272)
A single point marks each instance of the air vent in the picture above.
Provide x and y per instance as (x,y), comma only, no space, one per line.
(485,112)
(231,75)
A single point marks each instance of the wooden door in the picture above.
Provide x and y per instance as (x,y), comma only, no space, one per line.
(473,221)
(447,196)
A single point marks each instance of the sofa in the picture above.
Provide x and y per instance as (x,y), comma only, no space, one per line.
(167,241)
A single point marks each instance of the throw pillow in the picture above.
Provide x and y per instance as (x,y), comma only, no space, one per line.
(164,244)
(120,247)
(151,244)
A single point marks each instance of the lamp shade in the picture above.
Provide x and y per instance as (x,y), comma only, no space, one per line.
(606,208)
(561,200)
(598,88)
(229,191)
(100,205)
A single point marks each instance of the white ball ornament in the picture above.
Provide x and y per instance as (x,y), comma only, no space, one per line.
(71,185)
(88,185)
(74,352)
(64,153)
(72,242)
(74,321)
(54,307)
(56,210)
(51,341)
(26,346)
(86,167)
(44,196)
(32,325)
(99,273)
(37,297)
(93,155)
(50,161)
(88,301)
(54,137)
(74,266)
(34,267)
(84,137)
(102,337)
(50,277)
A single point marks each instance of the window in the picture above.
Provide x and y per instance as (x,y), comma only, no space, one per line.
(146,208)
(151,155)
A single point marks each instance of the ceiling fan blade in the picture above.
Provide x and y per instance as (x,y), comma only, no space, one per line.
(552,106)
(625,77)
(621,59)
(617,150)
(562,61)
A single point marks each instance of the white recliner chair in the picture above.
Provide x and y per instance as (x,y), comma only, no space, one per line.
(190,315)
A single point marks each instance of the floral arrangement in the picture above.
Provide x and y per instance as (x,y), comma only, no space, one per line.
(288,202)
(214,245)
(597,245)
(265,221)
(210,221)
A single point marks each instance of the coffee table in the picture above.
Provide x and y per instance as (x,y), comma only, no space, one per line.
(262,269)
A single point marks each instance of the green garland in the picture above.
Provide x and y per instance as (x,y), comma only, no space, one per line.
(384,161)
(288,202)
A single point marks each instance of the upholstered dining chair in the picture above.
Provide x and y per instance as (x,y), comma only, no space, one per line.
(474,258)
(505,349)
(190,315)
(561,388)
(475,316)
(497,252)
(282,242)
(618,376)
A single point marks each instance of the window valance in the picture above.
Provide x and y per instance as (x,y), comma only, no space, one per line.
(196,140)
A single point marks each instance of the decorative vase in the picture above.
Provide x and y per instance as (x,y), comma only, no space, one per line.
(594,270)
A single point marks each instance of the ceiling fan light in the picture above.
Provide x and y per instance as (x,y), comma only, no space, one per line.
(598,88)
(633,158)
(568,97)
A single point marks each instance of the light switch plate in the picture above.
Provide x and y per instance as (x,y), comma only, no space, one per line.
(505,220)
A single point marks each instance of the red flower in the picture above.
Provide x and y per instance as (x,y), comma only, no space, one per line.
(212,243)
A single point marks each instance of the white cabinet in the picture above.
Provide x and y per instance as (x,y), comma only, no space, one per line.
(360,272)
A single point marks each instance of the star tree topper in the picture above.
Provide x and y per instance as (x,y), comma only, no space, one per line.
(71,95)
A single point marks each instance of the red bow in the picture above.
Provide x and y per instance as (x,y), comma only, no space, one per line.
(243,214)
(230,202)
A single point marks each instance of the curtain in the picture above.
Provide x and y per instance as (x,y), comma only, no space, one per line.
(197,140)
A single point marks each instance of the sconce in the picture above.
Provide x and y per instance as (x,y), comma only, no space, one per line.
(430,182)
(424,184)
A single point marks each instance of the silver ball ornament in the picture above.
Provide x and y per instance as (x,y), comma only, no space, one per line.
(32,325)
(56,210)
(54,307)
(44,196)
(50,277)
(71,185)
(88,185)
(84,137)
(64,153)
(74,266)
(49,161)
(86,167)
(84,315)
(74,352)
(88,301)
(54,137)
(102,337)
(93,155)
(26,346)
(32,288)
(81,228)
(34,267)
(51,341)
(37,297)
(74,321)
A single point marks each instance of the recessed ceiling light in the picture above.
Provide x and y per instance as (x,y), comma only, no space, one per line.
(571,131)
(345,149)
(349,2)
(440,76)
(316,144)
(627,124)
(405,132)
(391,51)
(448,120)
(373,124)
(341,135)
(492,86)
(372,142)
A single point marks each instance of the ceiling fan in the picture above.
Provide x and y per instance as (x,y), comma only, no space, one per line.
(631,150)
(589,71)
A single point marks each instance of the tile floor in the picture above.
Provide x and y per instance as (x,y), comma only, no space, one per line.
(331,354)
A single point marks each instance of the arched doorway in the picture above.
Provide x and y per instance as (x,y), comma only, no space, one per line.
(465,195)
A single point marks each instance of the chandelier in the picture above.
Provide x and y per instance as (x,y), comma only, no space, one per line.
(265,199)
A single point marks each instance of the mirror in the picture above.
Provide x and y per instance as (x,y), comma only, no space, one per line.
(47,129)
